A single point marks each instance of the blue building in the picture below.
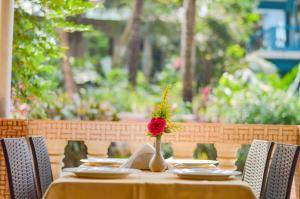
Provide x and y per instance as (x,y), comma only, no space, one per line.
(278,37)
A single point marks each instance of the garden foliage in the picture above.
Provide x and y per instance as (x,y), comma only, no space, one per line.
(238,94)
(246,97)
(36,74)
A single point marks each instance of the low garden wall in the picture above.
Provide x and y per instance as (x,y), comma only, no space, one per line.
(97,136)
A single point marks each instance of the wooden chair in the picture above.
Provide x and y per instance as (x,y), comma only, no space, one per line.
(19,168)
(256,166)
(282,169)
(42,165)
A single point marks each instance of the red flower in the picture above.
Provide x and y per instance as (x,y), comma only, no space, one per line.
(157,126)
(206,91)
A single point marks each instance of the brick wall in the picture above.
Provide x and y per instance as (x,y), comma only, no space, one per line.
(187,132)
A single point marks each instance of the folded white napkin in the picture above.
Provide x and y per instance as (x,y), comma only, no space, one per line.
(141,158)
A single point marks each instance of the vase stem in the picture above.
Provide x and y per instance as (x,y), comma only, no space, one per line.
(158,146)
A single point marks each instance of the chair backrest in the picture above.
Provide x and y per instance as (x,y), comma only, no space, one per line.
(282,169)
(256,166)
(42,163)
(19,168)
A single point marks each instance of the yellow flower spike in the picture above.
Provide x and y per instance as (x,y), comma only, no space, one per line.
(163,110)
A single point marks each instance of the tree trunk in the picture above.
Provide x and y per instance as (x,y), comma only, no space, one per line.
(66,66)
(120,46)
(134,42)
(147,59)
(207,72)
(187,49)
(133,26)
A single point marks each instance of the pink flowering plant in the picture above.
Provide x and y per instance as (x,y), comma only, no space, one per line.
(160,122)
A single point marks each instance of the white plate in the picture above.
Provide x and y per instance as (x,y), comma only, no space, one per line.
(204,174)
(102,172)
(104,161)
(189,163)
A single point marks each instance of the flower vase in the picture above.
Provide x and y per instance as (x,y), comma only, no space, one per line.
(157,162)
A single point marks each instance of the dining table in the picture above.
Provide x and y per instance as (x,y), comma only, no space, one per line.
(147,185)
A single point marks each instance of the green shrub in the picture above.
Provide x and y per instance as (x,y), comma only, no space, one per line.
(255,99)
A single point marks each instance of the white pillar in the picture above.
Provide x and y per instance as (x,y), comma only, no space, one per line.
(6,36)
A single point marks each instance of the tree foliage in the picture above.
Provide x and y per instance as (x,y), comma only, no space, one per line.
(36,51)
(223,30)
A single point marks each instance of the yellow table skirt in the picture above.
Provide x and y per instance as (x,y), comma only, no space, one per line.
(147,185)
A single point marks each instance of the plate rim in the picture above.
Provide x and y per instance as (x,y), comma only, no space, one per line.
(98,160)
(234,173)
(196,162)
(97,170)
